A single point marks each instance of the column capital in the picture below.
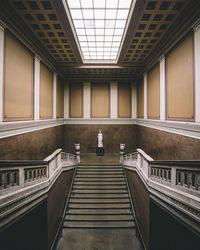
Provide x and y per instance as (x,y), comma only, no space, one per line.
(196,25)
(37,58)
(162,58)
(2,25)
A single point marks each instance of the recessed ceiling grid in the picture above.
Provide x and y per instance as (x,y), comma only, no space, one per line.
(42,19)
(155,20)
(99,26)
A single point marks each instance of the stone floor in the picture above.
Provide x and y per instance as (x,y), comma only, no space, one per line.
(106,239)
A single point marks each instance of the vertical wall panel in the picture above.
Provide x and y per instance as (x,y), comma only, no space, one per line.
(180,81)
(18,85)
(153,92)
(124,100)
(76,100)
(100,100)
(46,92)
(140,100)
(60,100)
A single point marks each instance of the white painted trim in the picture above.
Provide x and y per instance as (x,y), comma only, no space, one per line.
(86,99)
(1,69)
(162,89)
(36,88)
(54,94)
(113,100)
(145,96)
(66,100)
(197,72)
(100,121)
(134,100)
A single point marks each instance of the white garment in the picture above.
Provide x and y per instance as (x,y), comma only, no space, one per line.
(100,140)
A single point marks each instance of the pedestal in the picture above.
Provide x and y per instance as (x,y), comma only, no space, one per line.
(99,151)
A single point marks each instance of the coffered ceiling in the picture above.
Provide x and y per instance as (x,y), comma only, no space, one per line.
(153,26)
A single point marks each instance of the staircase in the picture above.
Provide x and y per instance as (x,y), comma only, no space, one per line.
(99,214)
(99,199)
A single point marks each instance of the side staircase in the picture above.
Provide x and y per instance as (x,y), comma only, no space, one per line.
(99,203)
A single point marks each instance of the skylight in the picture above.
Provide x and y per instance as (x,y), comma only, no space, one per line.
(99,26)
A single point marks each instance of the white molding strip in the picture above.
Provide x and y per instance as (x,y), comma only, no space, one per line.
(113,100)
(100,121)
(162,89)
(189,129)
(8,129)
(86,99)
(1,69)
(37,88)
(197,71)
(54,94)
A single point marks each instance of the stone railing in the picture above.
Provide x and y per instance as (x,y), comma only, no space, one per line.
(176,183)
(25,182)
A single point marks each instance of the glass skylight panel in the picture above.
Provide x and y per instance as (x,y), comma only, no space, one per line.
(99,25)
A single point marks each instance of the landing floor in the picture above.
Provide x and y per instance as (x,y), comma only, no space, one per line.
(97,239)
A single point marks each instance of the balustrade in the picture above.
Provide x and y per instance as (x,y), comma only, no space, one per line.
(9,178)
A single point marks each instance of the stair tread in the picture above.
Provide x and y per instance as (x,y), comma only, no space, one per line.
(117,224)
(99,196)
(91,191)
(99,211)
(100,201)
(94,217)
(99,206)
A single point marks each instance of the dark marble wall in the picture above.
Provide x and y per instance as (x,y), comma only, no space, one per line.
(32,146)
(113,135)
(161,145)
(141,203)
(57,196)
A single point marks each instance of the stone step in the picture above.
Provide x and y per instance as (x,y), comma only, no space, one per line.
(95,175)
(93,224)
(99,201)
(99,196)
(103,217)
(98,206)
(99,188)
(99,183)
(89,178)
(91,191)
(91,211)
(93,217)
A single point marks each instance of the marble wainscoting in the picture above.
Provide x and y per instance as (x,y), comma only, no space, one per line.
(162,145)
(113,135)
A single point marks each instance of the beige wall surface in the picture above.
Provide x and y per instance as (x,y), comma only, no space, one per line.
(180,81)
(124,100)
(100,100)
(153,92)
(140,100)
(18,85)
(60,100)
(46,92)
(76,100)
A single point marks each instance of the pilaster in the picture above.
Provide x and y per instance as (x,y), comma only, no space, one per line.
(162,89)
(145,96)
(54,94)
(37,88)
(2,27)
(134,100)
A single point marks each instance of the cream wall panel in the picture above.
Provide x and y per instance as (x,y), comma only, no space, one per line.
(100,100)
(18,88)
(46,92)
(60,100)
(180,81)
(124,100)
(140,100)
(153,90)
(76,100)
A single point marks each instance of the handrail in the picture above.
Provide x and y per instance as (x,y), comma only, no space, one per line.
(26,181)
(176,182)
